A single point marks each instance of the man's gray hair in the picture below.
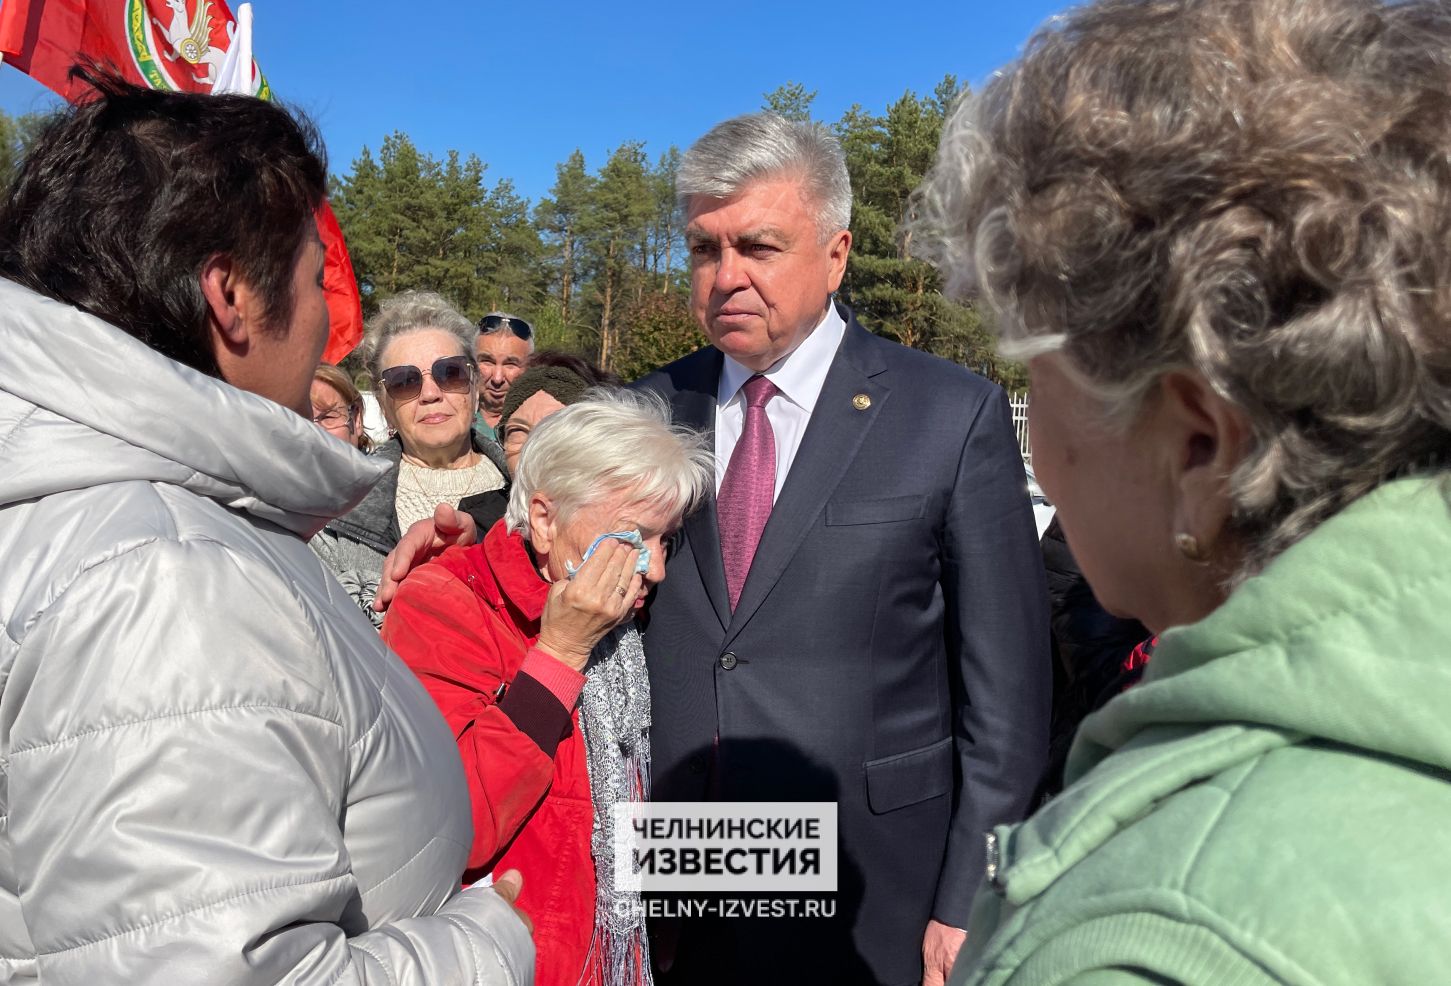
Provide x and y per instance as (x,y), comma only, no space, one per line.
(761,146)
(613,441)
(409,312)
(506,327)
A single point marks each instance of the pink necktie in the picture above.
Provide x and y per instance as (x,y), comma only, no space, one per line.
(749,487)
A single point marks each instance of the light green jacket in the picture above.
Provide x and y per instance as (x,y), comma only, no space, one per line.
(1273,803)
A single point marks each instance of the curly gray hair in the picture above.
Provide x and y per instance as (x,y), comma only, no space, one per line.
(413,311)
(763,146)
(1257,189)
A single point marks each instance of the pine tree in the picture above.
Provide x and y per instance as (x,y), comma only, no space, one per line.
(16,135)
(562,218)
(891,291)
(620,215)
(790,100)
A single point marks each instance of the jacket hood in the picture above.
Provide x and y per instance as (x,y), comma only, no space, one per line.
(1340,640)
(83,404)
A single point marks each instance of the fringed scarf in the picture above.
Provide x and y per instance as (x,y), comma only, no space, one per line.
(615,720)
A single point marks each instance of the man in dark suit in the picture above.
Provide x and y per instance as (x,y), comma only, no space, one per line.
(861,616)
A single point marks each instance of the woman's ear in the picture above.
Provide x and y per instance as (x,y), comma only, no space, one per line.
(543,519)
(228,300)
(1210,437)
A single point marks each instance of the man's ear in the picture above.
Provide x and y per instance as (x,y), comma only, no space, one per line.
(542,520)
(1210,437)
(839,247)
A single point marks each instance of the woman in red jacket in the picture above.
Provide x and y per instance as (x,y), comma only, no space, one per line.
(527,642)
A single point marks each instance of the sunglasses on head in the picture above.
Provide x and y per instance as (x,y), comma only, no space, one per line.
(493,323)
(454,374)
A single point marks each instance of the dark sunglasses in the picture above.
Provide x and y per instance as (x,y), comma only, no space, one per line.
(454,374)
(493,323)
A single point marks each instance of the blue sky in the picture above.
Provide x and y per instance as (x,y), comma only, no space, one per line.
(523,84)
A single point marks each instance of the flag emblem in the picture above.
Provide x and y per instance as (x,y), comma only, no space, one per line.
(181,45)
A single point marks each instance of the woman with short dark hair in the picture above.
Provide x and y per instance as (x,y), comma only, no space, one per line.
(211,769)
(1219,231)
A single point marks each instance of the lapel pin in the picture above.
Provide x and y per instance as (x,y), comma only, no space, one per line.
(861,402)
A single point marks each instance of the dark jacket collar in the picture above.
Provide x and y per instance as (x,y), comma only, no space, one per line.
(374,522)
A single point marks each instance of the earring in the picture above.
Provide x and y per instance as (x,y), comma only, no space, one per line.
(1190,548)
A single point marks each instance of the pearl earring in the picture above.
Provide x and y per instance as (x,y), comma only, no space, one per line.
(1190,548)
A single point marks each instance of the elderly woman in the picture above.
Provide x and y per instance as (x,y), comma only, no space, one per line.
(1220,232)
(211,770)
(527,643)
(337,406)
(418,350)
(554,380)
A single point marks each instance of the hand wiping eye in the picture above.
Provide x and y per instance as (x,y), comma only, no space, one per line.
(632,538)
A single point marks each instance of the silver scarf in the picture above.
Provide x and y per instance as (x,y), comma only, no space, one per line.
(615,719)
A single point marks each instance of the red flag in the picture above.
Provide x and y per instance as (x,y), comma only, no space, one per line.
(344,304)
(179,45)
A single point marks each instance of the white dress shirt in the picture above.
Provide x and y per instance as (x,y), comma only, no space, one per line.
(798,377)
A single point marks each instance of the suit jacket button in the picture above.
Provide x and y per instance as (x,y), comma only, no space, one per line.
(727,661)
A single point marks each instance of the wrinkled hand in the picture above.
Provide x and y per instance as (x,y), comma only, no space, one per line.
(508,887)
(423,541)
(582,610)
(939,950)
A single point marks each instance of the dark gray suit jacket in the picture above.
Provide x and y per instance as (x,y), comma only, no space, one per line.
(890,653)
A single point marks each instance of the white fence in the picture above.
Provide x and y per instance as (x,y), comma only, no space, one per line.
(1019,401)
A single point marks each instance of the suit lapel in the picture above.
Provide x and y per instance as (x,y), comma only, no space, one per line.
(695,406)
(833,436)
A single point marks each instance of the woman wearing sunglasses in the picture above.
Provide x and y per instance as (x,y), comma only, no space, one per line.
(418,350)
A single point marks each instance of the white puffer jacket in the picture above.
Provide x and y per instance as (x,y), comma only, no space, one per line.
(211,769)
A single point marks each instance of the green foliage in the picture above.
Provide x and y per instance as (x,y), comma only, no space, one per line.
(655,330)
(667,223)
(616,242)
(892,292)
(413,221)
(791,101)
(562,219)
(552,331)
(9,149)
(16,134)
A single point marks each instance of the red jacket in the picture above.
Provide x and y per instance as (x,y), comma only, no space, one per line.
(465,623)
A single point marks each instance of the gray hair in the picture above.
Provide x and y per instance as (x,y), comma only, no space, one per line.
(504,327)
(1255,189)
(761,146)
(409,312)
(611,442)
